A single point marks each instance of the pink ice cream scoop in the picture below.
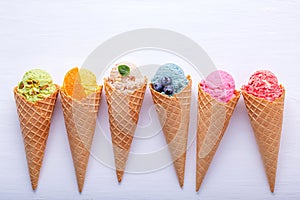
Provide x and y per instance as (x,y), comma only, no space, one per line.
(263,84)
(220,85)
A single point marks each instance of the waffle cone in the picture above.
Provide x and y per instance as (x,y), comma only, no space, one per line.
(123,112)
(80,121)
(35,119)
(174,116)
(266,121)
(213,119)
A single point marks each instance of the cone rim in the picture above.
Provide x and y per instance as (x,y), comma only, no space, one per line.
(107,83)
(99,89)
(236,92)
(175,95)
(39,101)
(244,92)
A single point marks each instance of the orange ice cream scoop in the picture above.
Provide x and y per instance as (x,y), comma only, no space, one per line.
(79,83)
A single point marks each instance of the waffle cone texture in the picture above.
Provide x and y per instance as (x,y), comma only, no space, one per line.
(266,121)
(213,119)
(174,116)
(35,119)
(80,121)
(123,112)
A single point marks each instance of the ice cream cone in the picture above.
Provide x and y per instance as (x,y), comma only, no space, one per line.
(266,120)
(174,117)
(35,119)
(213,119)
(123,111)
(80,120)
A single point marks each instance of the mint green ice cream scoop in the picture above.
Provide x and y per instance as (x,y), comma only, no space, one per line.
(36,85)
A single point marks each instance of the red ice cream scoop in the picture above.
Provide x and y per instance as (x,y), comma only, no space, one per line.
(263,84)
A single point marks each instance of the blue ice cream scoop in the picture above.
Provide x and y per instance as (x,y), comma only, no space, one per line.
(169,79)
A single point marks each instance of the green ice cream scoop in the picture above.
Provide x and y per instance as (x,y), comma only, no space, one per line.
(36,85)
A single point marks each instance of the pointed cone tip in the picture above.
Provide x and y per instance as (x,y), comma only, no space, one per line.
(272,189)
(80,189)
(34,186)
(181,184)
(80,184)
(197,188)
(119,176)
(119,179)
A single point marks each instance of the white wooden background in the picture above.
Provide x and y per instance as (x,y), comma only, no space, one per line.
(240,37)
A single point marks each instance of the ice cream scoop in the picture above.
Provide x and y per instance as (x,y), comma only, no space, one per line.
(220,85)
(79,83)
(263,84)
(169,79)
(126,77)
(88,81)
(36,85)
